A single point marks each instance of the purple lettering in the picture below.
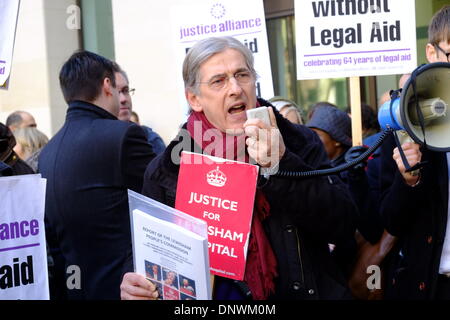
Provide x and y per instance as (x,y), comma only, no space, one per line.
(19,229)
(34,227)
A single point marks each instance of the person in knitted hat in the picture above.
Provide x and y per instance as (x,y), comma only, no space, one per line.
(333,127)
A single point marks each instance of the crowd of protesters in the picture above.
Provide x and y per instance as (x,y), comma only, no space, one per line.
(310,238)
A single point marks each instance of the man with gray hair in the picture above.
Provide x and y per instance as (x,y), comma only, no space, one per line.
(293,220)
(20,119)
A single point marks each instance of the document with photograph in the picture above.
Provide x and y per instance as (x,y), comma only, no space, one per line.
(170,249)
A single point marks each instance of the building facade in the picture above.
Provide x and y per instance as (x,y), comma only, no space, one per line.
(137,34)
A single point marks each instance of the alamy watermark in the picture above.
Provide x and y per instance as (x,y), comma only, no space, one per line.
(374,280)
(73,281)
(73,21)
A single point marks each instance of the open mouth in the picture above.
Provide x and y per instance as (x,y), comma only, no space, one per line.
(236,109)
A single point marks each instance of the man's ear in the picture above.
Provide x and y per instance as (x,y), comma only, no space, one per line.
(431,53)
(193,100)
(107,87)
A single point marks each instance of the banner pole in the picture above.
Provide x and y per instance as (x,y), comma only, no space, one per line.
(355,106)
(212,278)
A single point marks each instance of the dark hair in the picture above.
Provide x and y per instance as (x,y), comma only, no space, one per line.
(82,76)
(318,105)
(369,118)
(439,28)
(7,142)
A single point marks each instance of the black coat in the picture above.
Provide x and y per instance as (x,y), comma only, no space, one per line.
(89,165)
(418,216)
(306,214)
(14,165)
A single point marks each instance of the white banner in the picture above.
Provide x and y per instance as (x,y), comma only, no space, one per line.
(9,10)
(244,20)
(347,38)
(23,254)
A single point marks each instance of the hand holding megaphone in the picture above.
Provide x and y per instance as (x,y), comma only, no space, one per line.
(413,155)
(422,107)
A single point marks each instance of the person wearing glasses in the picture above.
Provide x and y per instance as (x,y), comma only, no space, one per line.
(126,112)
(125,93)
(89,165)
(293,220)
(414,207)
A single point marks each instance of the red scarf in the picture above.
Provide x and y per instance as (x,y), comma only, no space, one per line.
(261,267)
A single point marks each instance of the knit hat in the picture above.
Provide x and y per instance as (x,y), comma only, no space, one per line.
(334,122)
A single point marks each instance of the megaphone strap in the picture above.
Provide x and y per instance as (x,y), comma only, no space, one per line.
(414,169)
(400,150)
(418,110)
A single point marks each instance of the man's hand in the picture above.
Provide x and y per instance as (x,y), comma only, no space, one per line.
(136,287)
(413,156)
(264,143)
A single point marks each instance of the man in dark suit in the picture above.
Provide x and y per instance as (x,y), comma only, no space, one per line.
(89,165)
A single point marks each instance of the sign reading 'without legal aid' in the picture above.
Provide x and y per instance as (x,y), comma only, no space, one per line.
(346,38)
(222,193)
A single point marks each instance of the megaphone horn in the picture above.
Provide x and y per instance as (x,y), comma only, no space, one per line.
(429,87)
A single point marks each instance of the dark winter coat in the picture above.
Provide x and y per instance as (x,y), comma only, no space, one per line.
(306,214)
(12,164)
(89,165)
(418,217)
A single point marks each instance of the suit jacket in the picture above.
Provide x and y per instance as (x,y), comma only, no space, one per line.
(89,165)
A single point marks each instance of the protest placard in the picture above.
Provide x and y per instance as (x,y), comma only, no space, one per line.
(9,11)
(243,20)
(354,38)
(221,192)
(347,38)
(23,254)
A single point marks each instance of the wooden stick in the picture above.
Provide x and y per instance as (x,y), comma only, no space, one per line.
(212,277)
(355,104)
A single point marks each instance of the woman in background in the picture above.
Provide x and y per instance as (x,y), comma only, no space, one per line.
(30,142)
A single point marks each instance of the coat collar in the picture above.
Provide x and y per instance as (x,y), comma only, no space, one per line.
(81,108)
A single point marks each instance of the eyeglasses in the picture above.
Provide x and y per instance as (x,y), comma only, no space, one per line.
(220,82)
(447,54)
(127,91)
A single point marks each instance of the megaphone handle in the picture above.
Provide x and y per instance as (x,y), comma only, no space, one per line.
(415,170)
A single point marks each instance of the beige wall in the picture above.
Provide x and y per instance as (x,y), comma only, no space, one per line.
(43,42)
